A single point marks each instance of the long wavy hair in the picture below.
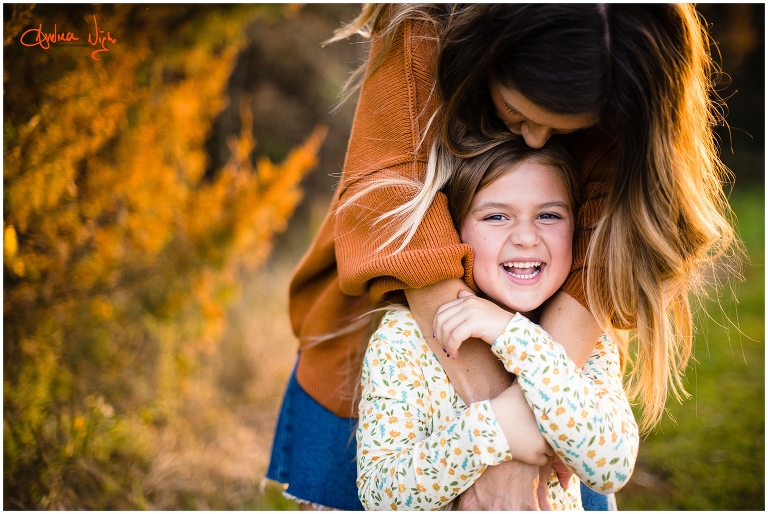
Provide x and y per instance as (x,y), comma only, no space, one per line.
(647,71)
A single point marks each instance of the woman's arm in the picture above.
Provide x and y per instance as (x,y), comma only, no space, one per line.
(572,404)
(516,420)
(568,318)
(478,375)
(569,323)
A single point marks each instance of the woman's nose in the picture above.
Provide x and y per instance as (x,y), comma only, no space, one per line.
(535,135)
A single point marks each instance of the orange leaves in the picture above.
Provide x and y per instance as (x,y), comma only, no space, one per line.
(10,243)
(120,257)
(246,206)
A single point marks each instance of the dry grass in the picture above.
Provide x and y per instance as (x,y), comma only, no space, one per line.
(217,456)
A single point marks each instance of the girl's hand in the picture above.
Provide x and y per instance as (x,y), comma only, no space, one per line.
(469,316)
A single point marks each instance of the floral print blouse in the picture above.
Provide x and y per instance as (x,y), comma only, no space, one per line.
(419,446)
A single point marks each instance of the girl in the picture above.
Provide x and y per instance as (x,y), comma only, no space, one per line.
(419,445)
(629,84)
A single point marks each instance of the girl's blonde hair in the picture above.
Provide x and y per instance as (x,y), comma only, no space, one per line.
(665,221)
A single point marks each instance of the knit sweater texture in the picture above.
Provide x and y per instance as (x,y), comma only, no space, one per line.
(343,275)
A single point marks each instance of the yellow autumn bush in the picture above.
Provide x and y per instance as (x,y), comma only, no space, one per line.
(121,253)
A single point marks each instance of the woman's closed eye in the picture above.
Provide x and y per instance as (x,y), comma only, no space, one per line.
(512,112)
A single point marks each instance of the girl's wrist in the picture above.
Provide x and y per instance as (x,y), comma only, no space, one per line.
(509,321)
(500,321)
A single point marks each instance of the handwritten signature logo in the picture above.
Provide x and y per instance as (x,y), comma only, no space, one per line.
(45,39)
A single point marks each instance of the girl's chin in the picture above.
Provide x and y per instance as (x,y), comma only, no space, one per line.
(526,309)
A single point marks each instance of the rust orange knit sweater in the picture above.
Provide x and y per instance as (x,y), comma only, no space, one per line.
(342,276)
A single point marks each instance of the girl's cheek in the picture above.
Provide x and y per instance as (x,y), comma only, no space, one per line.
(561,241)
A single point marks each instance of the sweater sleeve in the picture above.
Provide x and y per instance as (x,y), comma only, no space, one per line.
(391,135)
(403,461)
(584,414)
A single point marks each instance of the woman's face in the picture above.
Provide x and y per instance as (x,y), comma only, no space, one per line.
(523,117)
(520,227)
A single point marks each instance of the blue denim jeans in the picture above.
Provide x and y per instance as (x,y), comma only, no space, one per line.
(591,500)
(314,453)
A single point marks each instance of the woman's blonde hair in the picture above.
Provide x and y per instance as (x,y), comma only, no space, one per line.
(664,222)
(666,207)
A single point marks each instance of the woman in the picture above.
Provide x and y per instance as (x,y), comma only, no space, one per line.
(626,88)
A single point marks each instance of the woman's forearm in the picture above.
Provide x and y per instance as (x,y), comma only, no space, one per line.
(407,458)
(476,374)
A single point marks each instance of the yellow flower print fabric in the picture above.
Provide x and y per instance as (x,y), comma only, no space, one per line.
(583,413)
(420,446)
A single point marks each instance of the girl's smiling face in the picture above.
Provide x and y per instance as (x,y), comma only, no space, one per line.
(521,228)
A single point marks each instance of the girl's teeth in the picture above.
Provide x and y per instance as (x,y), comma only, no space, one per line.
(523,264)
(531,268)
(535,272)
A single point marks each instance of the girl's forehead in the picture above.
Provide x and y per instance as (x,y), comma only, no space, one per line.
(539,170)
(523,181)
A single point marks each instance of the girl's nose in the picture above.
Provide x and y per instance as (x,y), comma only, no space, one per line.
(524,236)
(535,135)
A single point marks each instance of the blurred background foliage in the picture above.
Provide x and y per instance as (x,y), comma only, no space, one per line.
(122,247)
(147,253)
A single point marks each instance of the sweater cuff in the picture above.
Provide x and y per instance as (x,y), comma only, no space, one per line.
(418,269)
(434,253)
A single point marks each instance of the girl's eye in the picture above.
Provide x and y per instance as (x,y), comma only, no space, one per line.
(494,217)
(549,216)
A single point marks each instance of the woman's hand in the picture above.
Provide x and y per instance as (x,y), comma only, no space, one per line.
(564,473)
(511,485)
(469,316)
